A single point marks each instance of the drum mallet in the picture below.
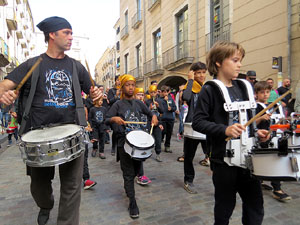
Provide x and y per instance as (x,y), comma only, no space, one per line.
(28,74)
(134,122)
(151,128)
(263,111)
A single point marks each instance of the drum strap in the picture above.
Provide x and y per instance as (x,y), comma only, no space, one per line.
(34,80)
(78,99)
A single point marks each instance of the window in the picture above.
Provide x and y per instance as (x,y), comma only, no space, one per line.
(157,47)
(118,63)
(138,4)
(126,18)
(118,46)
(138,55)
(126,63)
(182,25)
(118,30)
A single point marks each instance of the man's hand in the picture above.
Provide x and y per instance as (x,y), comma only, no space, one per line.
(95,93)
(118,120)
(235,130)
(161,127)
(169,108)
(263,135)
(154,120)
(191,75)
(9,97)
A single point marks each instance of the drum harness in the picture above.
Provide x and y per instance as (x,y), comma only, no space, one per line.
(237,150)
(77,93)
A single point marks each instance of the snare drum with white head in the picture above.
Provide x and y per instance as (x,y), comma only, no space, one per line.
(50,146)
(139,144)
(190,133)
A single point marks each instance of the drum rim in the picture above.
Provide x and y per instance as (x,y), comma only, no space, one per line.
(81,130)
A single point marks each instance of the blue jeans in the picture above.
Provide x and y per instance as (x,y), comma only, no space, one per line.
(180,130)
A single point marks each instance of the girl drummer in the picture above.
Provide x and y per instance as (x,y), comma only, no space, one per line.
(128,109)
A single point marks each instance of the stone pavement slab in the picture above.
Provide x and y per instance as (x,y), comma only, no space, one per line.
(164,201)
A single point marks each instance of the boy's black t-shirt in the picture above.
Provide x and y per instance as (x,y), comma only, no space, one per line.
(97,116)
(264,124)
(54,100)
(129,110)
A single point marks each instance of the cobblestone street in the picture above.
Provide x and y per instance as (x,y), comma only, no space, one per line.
(164,201)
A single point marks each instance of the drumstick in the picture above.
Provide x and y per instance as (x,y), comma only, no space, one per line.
(151,128)
(88,69)
(135,122)
(263,111)
(28,74)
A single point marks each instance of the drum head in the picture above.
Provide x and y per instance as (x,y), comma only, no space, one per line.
(140,139)
(50,133)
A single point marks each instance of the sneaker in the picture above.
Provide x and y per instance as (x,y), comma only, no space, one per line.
(113,152)
(158,159)
(89,184)
(167,149)
(133,209)
(102,156)
(179,137)
(94,152)
(143,180)
(43,216)
(281,196)
(8,145)
(190,188)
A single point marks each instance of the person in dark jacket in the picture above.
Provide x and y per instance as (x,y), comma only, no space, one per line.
(168,116)
(210,118)
(190,94)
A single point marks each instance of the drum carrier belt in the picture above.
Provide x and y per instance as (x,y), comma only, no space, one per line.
(77,93)
(241,107)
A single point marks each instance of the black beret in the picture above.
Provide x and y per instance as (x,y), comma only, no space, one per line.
(53,24)
(251,73)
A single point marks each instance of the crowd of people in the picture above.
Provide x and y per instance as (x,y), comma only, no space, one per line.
(199,106)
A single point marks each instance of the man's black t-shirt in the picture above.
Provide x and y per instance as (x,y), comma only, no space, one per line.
(54,100)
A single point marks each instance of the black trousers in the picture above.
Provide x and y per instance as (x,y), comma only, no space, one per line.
(156,133)
(70,175)
(230,180)
(130,168)
(86,172)
(101,141)
(168,130)
(189,148)
(114,142)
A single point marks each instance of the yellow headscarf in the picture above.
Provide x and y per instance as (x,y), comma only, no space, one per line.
(123,79)
(196,87)
(152,88)
(139,90)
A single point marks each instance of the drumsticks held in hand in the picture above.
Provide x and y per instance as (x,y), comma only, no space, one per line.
(88,69)
(134,122)
(28,74)
(263,111)
(151,128)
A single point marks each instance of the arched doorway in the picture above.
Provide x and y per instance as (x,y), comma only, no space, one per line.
(172,81)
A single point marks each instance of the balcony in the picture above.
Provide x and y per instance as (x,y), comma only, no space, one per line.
(3,2)
(24,45)
(223,33)
(11,19)
(153,67)
(124,32)
(180,55)
(136,20)
(4,53)
(19,35)
(137,73)
(152,4)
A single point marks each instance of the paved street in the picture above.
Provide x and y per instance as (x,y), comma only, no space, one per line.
(164,201)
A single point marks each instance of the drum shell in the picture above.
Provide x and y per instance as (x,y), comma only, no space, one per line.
(54,152)
(271,166)
(190,133)
(136,150)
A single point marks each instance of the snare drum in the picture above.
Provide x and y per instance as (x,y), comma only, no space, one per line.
(52,146)
(190,133)
(268,165)
(139,144)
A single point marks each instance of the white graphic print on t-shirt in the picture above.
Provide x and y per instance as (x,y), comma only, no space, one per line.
(59,89)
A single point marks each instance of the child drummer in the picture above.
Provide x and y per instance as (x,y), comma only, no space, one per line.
(210,118)
(262,91)
(128,109)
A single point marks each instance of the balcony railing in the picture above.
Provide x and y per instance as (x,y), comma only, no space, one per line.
(11,19)
(222,33)
(153,67)
(137,72)
(3,2)
(152,4)
(136,20)
(181,54)
(124,32)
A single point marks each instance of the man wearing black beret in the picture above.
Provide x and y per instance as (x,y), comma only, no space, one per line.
(59,81)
